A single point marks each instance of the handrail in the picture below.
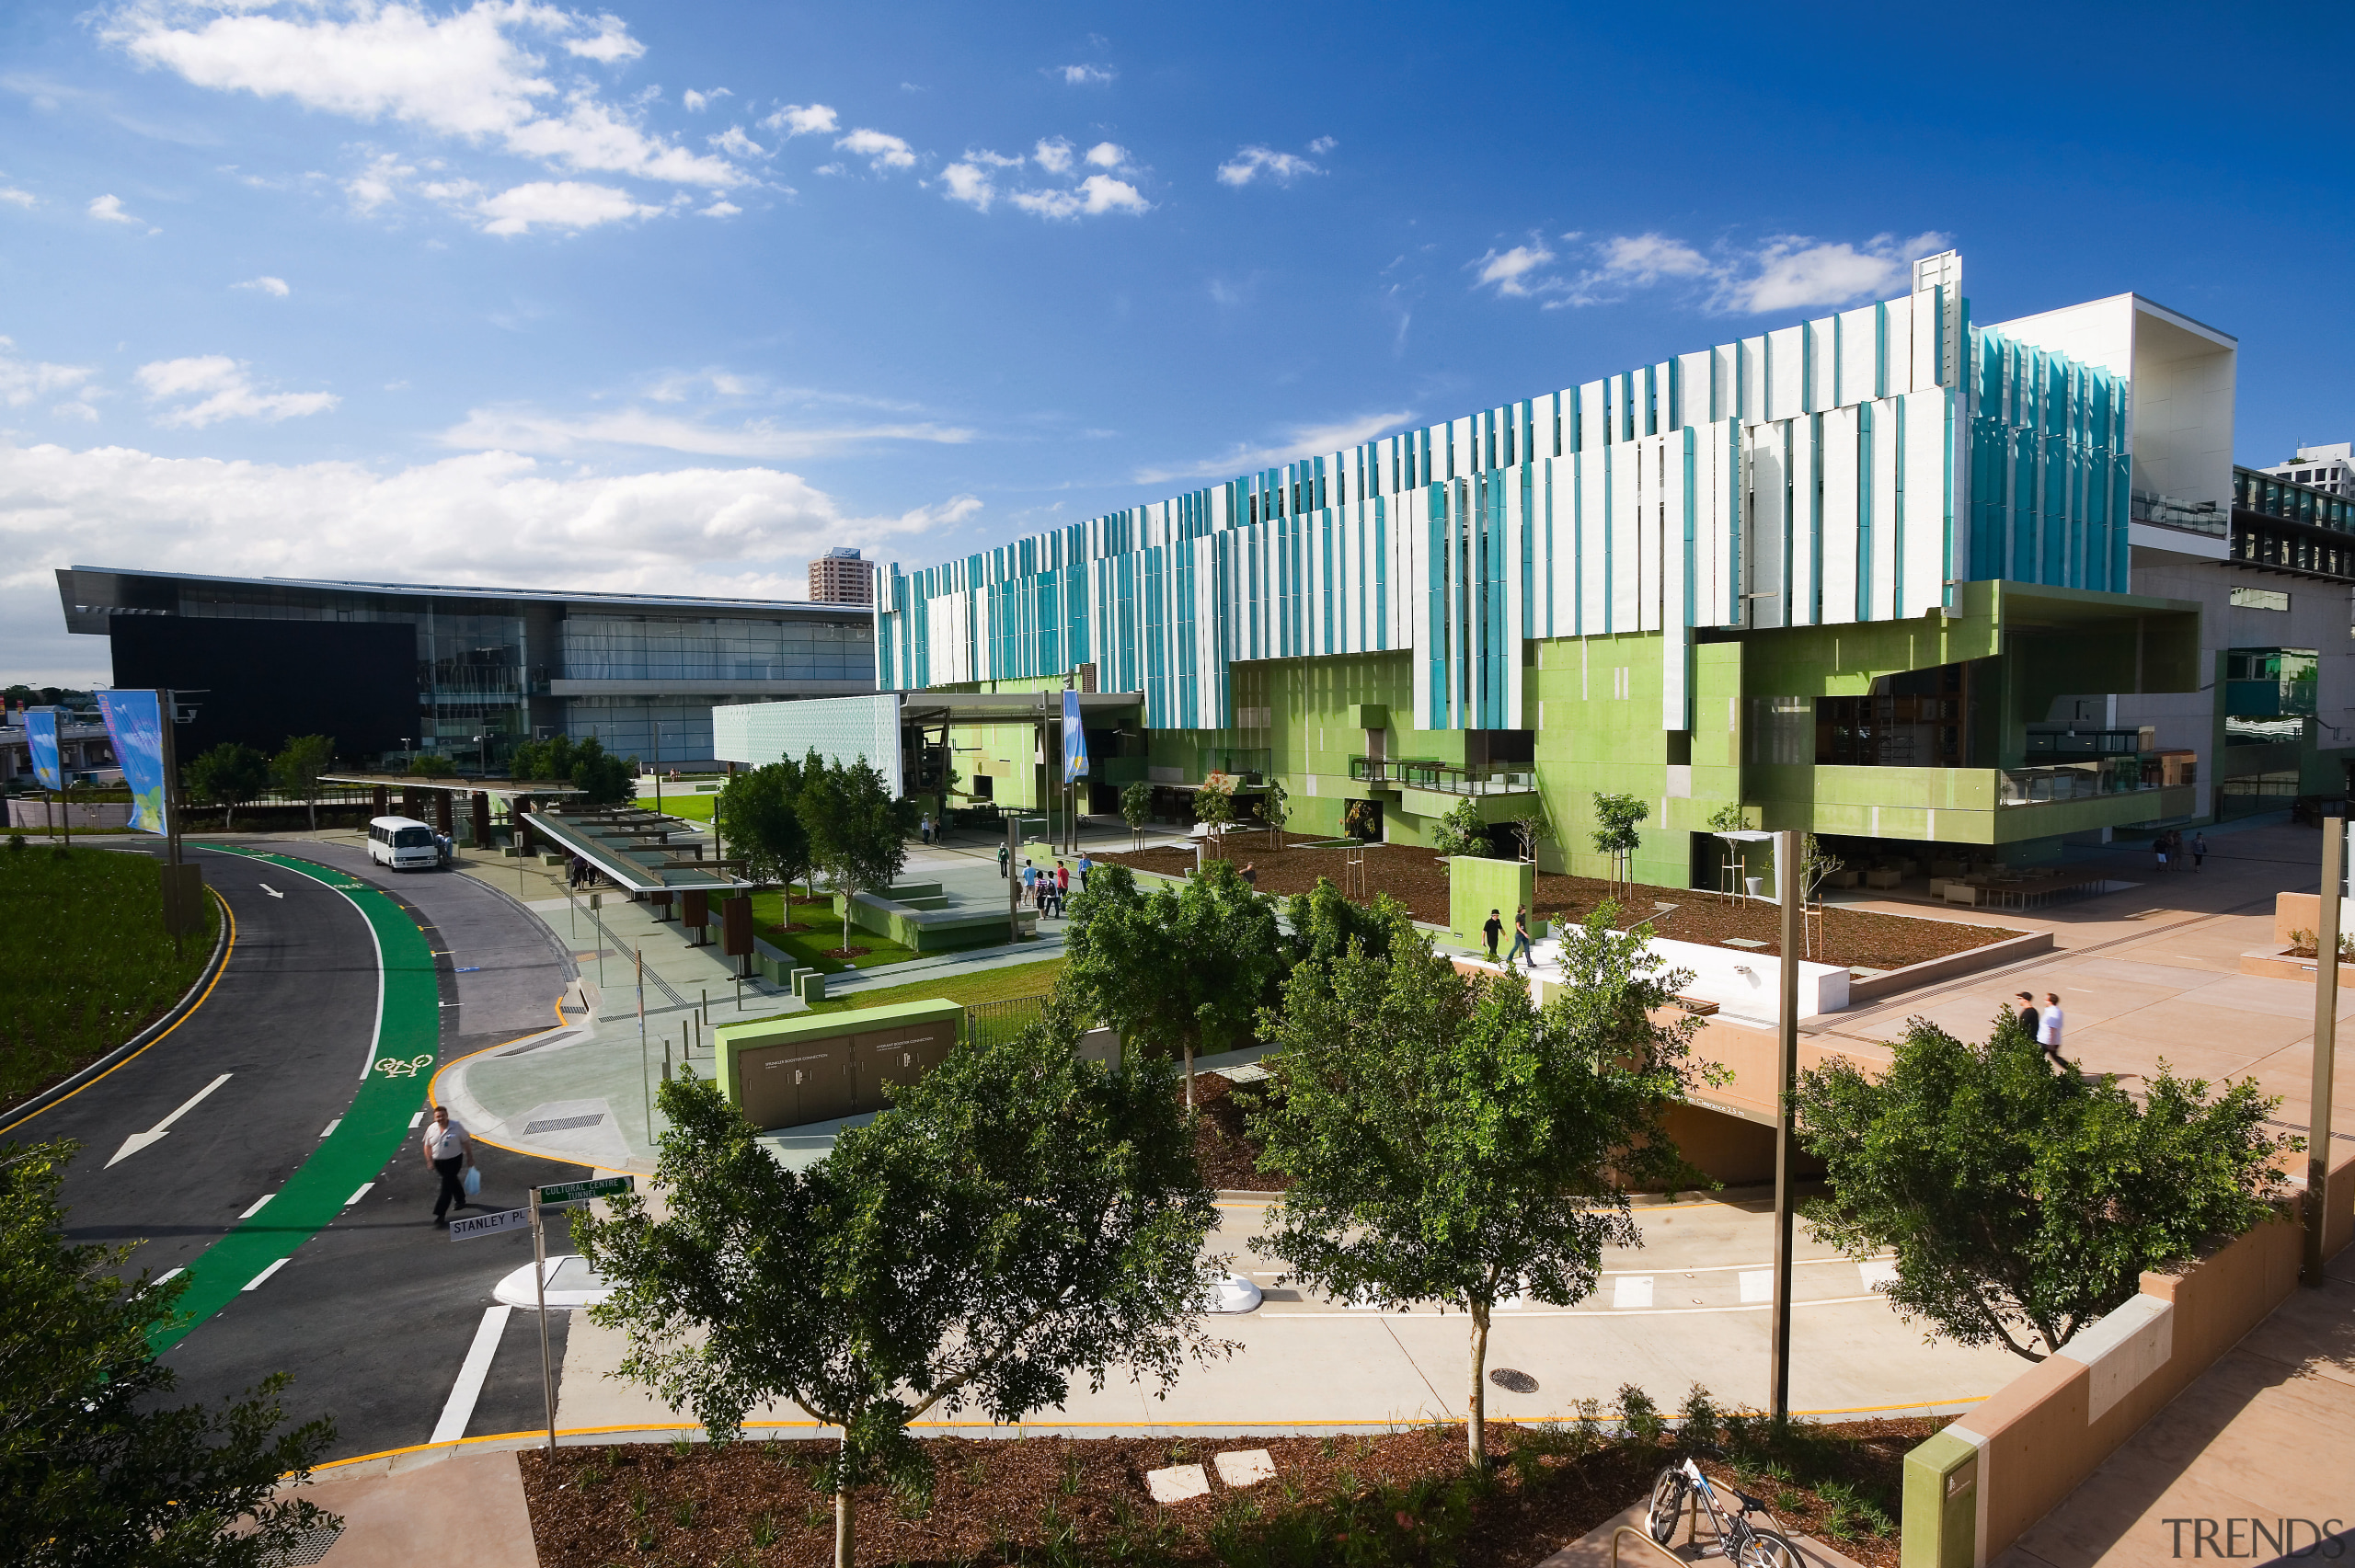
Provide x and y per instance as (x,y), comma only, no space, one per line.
(1659,1551)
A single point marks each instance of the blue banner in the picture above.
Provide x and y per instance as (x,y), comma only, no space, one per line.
(1075,741)
(41,736)
(135,721)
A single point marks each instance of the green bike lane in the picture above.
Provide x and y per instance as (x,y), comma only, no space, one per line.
(390,1088)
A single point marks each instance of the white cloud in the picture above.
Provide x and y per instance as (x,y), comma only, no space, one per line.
(609,43)
(1109,155)
(490,518)
(1785,273)
(802,120)
(527,430)
(1324,145)
(109,210)
(1086,75)
(721,208)
(969,183)
(378,183)
(1250,163)
(468,75)
(210,388)
(838,166)
(266,285)
(881,150)
(1097,194)
(10,193)
(23,382)
(733,142)
(558,204)
(1054,155)
(696,102)
(1304,440)
(1509,271)
(1792,271)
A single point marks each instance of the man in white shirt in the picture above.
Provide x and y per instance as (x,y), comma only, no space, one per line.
(450,1151)
(2048,1029)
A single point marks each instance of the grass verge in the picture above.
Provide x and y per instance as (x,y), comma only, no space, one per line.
(695,807)
(86,962)
(824,934)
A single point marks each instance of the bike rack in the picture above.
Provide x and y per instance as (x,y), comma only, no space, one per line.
(1658,1551)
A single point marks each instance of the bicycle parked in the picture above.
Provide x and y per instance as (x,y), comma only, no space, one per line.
(1739,1541)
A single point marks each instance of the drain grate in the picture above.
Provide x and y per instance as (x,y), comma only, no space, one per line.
(558,1123)
(1511,1378)
(307,1548)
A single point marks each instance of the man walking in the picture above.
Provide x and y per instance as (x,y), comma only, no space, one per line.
(2199,849)
(1522,947)
(2047,1030)
(1003,854)
(1493,928)
(450,1151)
(924,828)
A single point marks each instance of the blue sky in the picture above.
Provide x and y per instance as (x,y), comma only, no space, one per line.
(673,297)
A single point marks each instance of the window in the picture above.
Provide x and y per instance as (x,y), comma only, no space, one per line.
(2260,598)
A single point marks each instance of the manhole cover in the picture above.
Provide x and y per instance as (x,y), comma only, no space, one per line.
(1518,1381)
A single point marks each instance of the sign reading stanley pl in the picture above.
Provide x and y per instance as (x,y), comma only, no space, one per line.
(581,1192)
(489,1224)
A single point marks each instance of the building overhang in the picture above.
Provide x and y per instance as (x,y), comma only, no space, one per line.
(497,789)
(563,686)
(631,847)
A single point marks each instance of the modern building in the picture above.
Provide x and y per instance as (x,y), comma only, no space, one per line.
(85,752)
(842,576)
(392,669)
(1942,589)
(2330,469)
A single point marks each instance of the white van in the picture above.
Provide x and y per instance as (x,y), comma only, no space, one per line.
(405,844)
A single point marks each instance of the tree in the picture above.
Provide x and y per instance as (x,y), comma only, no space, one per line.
(426,765)
(1136,808)
(602,778)
(1531,829)
(1275,808)
(95,1467)
(1450,1142)
(228,777)
(1462,831)
(1322,924)
(1616,816)
(1816,866)
(543,761)
(761,809)
(1215,808)
(858,834)
(1022,1218)
(299,765)
(1729,819)
(1358,818)
(2017,1197)
(1183,967)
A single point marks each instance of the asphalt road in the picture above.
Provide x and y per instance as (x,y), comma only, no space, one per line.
(375,1314)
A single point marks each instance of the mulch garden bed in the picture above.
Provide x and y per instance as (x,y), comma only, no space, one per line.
(1230,1159)
(1417,878)
(1400,1497)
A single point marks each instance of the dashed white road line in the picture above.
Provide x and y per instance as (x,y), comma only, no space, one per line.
(329,1129)
(460,1407)
(355,1197)
(415,1119)
(265,1273)
(256,1208)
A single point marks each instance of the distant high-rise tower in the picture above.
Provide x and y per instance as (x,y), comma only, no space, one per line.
(841,577)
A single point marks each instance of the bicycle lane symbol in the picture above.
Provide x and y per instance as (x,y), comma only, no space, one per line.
(392,1067)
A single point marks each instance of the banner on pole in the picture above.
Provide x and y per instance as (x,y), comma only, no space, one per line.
(135,720)
(40,738)
(1075,741)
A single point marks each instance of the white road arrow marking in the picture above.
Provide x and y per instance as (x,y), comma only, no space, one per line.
(271,891)
(138,1140)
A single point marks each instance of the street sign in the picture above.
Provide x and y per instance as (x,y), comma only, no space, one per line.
(490,1224)
(581,1192)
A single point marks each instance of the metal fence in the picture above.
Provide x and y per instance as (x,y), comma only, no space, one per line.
(988,1022)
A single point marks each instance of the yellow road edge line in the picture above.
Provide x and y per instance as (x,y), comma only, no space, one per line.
(226,954)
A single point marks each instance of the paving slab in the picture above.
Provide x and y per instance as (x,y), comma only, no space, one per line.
(471,1504)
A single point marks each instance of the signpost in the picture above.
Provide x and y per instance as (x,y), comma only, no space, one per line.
(2333,884)
(556,1197)
(1790,885)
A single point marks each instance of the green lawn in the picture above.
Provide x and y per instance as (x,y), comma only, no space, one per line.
(87,961)
(825,932)
(979,984)
(682,803)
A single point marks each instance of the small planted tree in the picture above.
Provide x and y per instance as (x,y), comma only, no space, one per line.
(228,776)
(1184,968)
(1022,1219)
(1275,808)
(1616,816)
(1729,819)
(858,834)
(1816,866)
(1136,809)
(761,808)
(95,1467)
(1215,808)
(297,768)
(1450,1143)
(2023,1204)
(1529,829)
(1461,831)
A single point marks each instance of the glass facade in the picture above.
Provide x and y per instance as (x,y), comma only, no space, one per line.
(2291,527)
(653,648)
